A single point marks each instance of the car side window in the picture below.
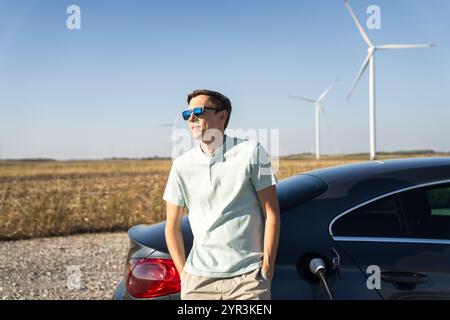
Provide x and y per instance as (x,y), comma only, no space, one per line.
(428,212)
(376,219)
(439,200)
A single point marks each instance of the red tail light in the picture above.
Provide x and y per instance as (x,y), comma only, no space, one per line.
(152,277)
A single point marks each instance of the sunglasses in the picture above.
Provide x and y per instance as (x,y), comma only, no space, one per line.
(197,111)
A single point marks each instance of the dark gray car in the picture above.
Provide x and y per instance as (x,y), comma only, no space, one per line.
(380,228)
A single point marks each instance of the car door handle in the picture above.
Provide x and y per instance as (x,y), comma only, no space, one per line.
(405,280)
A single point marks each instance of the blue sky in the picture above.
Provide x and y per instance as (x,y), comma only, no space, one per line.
(104,90)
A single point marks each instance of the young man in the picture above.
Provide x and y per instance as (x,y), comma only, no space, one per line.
(228,185)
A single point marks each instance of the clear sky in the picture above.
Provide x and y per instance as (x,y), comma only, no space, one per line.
(105,90)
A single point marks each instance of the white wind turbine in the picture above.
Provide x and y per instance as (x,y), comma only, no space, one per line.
(370,60)
(318,106)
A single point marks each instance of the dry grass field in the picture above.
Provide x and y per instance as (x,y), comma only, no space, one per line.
(50,198)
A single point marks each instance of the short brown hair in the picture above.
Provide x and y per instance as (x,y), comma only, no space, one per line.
(218,100)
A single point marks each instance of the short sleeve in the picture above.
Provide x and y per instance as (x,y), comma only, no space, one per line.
(262,174)
(174,191)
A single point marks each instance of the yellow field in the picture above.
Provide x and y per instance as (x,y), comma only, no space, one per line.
(51,198)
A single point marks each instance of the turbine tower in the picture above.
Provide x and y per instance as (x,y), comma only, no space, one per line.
(317,104)
(370,60)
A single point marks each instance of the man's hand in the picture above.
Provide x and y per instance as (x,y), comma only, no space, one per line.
(269,204)
(267,271)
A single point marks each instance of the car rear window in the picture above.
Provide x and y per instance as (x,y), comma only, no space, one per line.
(376,219)
(299,189)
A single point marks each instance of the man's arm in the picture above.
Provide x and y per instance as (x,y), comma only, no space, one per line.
(269,203)
(174,236)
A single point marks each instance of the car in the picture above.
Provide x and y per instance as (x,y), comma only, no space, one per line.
(372,230)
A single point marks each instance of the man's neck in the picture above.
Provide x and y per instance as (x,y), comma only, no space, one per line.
(209,147)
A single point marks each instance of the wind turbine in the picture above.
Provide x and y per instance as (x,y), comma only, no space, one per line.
(318,106)
(175,124)
(370,60)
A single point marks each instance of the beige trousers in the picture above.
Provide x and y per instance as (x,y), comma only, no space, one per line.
(248,286)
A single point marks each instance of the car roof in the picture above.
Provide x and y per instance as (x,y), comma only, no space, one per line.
(407,168)
(355,183)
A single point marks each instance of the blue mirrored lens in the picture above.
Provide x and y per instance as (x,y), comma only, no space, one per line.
(186,114)
(198,112)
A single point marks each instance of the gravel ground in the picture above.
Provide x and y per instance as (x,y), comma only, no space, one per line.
(85,266)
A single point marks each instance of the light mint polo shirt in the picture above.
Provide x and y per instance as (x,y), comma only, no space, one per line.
(225,215)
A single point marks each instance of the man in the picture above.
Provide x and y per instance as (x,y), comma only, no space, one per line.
(228,185)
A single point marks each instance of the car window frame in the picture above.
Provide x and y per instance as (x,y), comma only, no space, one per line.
(395,194)
(399,216)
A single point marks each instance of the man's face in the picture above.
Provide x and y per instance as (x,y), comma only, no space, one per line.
(209,121)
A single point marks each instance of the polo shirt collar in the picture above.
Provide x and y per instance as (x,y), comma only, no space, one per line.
(219,153)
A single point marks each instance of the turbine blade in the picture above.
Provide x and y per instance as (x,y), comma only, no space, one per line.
(301,98)
(404,46)
(324,117)
(321,110)
(361,71)
(326,91)
(358,25)
(175,122)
